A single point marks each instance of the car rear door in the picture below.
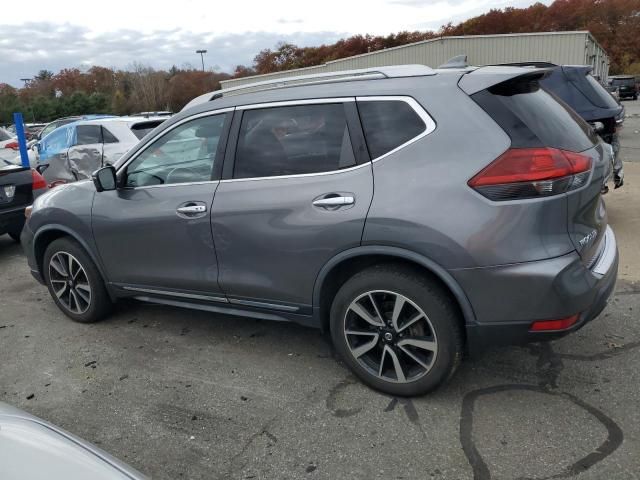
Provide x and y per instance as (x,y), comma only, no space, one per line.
(295,192)
(154,232)
(85,154)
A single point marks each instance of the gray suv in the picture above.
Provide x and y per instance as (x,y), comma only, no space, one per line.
(412,213)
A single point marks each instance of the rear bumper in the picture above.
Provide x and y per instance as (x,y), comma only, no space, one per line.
(12,220)
(506,300)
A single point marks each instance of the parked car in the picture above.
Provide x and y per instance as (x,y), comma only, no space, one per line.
(32,130)
(160,113)
(575,85)
(626,85)
(59,122)
(9,149)
(486,224)
(31,448)
(18,188)
(73,151)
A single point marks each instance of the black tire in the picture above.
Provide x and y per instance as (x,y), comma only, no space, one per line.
(99,304)
(423,293)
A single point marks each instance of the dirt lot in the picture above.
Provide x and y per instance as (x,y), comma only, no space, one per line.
(180,394)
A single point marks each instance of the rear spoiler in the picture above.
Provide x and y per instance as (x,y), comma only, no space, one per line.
(485,77)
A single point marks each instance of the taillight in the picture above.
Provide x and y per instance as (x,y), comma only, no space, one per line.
(532,172)
(12,145)
(37,180)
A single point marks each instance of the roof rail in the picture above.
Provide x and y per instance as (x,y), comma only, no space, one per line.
(394,71)
(526,64)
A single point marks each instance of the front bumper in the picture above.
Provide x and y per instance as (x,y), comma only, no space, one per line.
(508,299)
(26,239)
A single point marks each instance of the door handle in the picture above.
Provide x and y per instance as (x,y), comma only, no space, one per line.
(191,209)
(334,201)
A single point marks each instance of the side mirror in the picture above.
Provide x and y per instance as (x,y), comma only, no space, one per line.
(105,179)
(598,127)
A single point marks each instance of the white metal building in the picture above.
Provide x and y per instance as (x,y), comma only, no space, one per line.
(562,48)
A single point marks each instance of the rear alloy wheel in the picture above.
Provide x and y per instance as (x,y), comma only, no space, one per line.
(74,282)
(396,342)
(397,330)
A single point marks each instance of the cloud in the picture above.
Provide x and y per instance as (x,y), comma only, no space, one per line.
(290,20)
(34,46)
(422,3)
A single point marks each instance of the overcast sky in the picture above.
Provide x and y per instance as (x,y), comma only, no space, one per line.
(116,33)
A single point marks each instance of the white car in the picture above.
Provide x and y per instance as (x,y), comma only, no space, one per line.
(74,151)
(9,152)
(31,448)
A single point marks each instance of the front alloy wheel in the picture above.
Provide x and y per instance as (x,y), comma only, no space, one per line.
(390,336)
(70,282)
(74,281)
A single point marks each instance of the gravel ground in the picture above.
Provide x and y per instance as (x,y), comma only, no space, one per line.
(181,394)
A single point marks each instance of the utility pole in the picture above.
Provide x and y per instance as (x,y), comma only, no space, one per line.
(25,80)
(202,52)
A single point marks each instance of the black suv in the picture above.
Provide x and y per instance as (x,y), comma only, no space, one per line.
(626,86)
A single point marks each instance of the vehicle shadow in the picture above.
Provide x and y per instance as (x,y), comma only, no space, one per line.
(8,246)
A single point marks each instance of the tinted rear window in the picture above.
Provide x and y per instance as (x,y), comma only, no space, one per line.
(533,117)
(627,82)
(387,124)
(293,140)
(141,129)
(604,98)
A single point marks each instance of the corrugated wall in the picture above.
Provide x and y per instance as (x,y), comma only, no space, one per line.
(563,48)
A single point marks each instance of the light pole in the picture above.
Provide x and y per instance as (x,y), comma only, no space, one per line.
(202,52)
(26,81)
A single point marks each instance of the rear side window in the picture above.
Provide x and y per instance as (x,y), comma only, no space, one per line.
(293,140)
(533,117)
(88,134)
(108,137)
(388,124)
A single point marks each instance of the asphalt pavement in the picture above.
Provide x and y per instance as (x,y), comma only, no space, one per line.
(181,394)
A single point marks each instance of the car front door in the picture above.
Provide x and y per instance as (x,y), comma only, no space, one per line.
(154,233)
(295,193)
